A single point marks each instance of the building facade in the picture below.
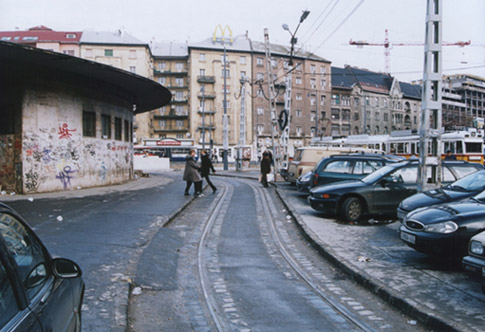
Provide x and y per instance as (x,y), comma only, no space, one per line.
(170,62)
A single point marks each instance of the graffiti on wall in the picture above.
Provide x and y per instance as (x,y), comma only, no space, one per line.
(64,131)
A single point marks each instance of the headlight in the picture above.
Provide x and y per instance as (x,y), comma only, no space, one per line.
(476,248)
(442,227)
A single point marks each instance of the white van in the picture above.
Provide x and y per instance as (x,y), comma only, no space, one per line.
(306,158)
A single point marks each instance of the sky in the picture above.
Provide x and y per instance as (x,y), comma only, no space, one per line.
(326,32)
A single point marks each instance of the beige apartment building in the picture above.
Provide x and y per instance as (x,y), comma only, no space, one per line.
(208,91)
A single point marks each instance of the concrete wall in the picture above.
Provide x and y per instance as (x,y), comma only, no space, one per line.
(55,153)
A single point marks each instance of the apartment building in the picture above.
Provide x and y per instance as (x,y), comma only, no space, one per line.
(215,84)
(366,102)
(170,68)
(310,90)
(45,38)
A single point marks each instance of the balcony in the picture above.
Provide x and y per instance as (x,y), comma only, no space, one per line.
(171,115)
(207,112)
(171,130)
(207,95)
(206,127)
(206,79)
(180,100)
(169,72)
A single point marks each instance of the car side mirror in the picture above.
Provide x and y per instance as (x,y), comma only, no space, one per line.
(386,180)
(65,268)
(36,277)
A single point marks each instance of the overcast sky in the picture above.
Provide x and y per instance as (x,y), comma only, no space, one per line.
(326,32)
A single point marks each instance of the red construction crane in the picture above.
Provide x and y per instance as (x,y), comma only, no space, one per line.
(388,45)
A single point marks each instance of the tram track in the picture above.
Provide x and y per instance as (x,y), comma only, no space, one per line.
(309,280)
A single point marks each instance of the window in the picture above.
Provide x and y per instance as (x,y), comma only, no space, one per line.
(162,80)
(179,66)
(273,63)
(335,99)
(260,111)
(118,129)
(356,102)
(259,61)
(335,114)
(243,74)
(132,54)
(68,52)
(338,166)
(89,53)
(313,83)
(179,81)
(299,113)
(70,35)
(127,131)
(259,76)
(179,123)
(202,72)
(162,124)
(105,126)
(260,129)
(386,117)
(133,69)
(202,57)
(30,38)
(242,60)
(8,303)
(405,175)
(299,131)
(161,66)
(27,252)
(299,97)
(227,71)
(89,124)
(298,80)
(6,38)
(108,52)
(367,166)
(179,95)
(312,69)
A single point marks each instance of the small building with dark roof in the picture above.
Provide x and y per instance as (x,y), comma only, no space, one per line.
(67,122)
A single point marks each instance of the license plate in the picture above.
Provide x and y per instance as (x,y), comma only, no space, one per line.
(408,237)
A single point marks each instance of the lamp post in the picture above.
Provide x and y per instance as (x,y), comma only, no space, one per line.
(285,137)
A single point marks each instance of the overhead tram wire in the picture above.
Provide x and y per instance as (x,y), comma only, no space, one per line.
(318,18)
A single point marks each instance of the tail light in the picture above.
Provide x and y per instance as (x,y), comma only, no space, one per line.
(315,179)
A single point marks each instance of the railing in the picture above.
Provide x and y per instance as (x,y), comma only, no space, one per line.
(206,79)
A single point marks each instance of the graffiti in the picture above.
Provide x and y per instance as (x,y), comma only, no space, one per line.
(90,149)
(103,171)
(65,132)
(32,181)
(46,155)
(65,176)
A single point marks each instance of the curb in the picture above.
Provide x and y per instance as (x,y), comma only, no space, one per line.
(378,288)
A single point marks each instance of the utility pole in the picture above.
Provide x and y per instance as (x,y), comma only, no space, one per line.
(285,136)
(202,89)
(242,125)
(225,136)
(430,126)
(272,103)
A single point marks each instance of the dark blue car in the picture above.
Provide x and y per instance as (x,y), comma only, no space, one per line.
(37,292)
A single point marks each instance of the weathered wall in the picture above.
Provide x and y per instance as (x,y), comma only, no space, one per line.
(55,154)
(9,149)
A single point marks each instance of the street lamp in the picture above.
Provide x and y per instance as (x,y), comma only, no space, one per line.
(285,136)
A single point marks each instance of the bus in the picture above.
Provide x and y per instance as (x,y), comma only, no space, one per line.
(174,149)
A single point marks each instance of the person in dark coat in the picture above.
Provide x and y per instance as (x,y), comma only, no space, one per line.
(265,168)
(205,168)
(191,174)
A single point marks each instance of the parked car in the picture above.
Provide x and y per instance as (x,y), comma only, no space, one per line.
(463,188)
(306,158)
(475,261)
(343,167)
(379,193)
(37,292)
(444,229)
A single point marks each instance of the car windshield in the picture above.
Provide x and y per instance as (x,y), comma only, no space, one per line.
(472,182)
(480,196)
(373,177)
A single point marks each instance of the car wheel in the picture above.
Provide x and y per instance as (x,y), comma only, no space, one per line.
(352,209)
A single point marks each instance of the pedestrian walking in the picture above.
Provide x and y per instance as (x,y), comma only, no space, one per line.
(205,169)
(265,168)
(191,174)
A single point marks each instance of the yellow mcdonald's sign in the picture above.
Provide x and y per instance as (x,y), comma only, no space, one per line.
(223,33)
